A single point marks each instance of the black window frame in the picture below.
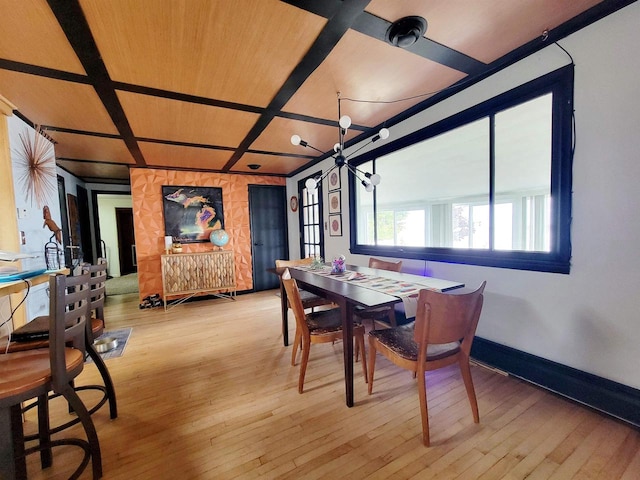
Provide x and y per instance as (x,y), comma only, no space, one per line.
(302,190)
(558,260)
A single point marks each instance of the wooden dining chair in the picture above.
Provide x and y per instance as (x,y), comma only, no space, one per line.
(309,300)
(441,335)
(32,374)
(380,314)
(316,327)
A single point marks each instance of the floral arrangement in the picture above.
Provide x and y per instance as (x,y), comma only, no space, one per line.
(338,265)
(317,263)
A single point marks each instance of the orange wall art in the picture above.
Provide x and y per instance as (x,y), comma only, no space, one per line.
(146,194)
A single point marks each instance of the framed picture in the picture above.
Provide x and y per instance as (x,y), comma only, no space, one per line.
(334,202)
(192,213)
(334,180)
(335,225)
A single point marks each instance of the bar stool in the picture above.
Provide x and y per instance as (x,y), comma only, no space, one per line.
(34,373)
(94,328)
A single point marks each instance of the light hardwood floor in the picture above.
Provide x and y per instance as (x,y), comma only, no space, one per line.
(206,391)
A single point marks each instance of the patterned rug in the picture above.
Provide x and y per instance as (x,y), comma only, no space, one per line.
(122,335)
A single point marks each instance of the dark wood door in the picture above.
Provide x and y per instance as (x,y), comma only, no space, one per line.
(62,199)
(268,221)
(126,240)
(85,224)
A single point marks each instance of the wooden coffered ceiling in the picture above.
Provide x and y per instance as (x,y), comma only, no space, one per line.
(219,85)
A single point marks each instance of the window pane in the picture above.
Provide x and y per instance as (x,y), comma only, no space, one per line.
(427,179)
(480,231)
(410,230)
(365,218)
(523,175)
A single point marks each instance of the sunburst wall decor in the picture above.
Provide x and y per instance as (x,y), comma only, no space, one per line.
(36,162)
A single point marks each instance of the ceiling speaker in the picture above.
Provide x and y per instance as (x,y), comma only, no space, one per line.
(405,32)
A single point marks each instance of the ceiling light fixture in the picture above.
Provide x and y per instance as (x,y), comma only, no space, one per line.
(368,180)
(405,32)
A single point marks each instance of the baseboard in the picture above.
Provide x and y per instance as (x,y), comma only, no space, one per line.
(610,397)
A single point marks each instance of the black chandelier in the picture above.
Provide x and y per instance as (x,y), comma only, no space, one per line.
(368,180)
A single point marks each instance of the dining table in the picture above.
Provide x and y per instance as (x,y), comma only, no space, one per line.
(348,292)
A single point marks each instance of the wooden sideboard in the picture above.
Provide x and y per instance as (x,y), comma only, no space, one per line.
(187,274)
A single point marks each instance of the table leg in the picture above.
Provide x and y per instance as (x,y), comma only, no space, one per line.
(346,310)
(284,312)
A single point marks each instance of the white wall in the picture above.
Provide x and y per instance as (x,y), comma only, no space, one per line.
(30,219)
(107,205)
(587,319)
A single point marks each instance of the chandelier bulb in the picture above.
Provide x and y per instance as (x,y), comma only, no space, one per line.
(369,187)
(375,179)
(336,147)
(311,183)
(384,133)
(345,121)
(295,139)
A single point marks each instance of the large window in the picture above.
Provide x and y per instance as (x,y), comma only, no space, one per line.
(489,186)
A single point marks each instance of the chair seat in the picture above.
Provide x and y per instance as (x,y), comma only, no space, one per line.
(401,341)
(311,300)
(326,321)
(376,312)
(97,327)
(22,372)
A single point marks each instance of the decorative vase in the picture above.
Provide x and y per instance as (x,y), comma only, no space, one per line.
(338,265)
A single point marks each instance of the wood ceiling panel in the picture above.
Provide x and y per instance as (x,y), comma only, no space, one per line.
(58,103)
(240,51)
(385,73)
(31,34)
(276,164)
(163,155)
(277,137)
(483,29)
(162,118)
(95,170)
(87,147)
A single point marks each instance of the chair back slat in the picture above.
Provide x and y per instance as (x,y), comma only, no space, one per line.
(97,285)
(448,317)
(294,263)
(68,314)
(385,264)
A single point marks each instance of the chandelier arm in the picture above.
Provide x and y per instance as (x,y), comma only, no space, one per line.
(314,148)
(355,171)
(324,175)
(357,150)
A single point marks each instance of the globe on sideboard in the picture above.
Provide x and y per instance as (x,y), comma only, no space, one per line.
(219,238)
